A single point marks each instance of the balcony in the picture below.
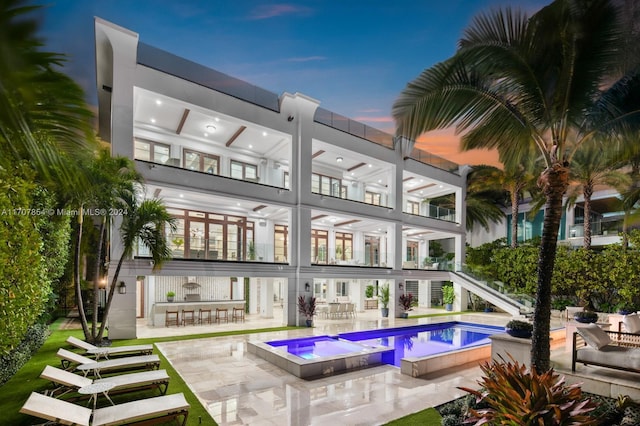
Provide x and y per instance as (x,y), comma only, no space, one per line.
(366,259)
(213,250)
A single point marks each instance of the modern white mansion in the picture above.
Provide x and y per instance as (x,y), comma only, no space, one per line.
(274,196)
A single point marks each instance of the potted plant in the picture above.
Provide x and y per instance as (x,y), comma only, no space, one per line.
(308,309)
(383,297)
(170,296)
(585,316)
(448,296)
(251,251)
(517,328)
(407,302)
(368,292)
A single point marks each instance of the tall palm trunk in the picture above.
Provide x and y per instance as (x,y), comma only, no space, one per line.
(112,290)
(515,208)
(96,287)
(79,302)
(554,182)
(587,192)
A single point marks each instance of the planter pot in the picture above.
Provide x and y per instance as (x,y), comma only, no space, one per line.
(169,298)
(309,322)
(404,315)
(448,307)
(522,334)
(625,311)
(384,312)
(585,320)
(488,309)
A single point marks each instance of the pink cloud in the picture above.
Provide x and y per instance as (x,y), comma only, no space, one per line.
(275,10)
(374,119)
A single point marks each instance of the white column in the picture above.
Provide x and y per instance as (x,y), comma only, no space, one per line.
(266,298)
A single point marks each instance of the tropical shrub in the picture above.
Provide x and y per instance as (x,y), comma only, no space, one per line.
(516,396)
(11,362)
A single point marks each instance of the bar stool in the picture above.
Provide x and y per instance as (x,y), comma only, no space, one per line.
(237,314)
(202,318)
(171,318)
(222,314)
(188,317)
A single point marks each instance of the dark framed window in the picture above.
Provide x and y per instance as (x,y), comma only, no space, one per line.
(244,171)
(344,246)
(327,185)
(194,160)
(281,242)
(413,207)
(372,198)
(319,244)
(156,152)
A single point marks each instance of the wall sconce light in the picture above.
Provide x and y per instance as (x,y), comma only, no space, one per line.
(307,287)
(290,118)
(122,288)
(401,286)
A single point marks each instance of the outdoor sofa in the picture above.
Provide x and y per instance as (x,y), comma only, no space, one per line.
(612,349)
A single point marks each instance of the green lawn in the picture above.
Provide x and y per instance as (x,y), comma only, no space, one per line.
(15,392)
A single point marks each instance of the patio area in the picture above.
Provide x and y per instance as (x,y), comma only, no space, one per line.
(238,388)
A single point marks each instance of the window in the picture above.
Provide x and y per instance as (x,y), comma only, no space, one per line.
(285,180)
(319,243)
(344,246)
(372,198)
(371,250)
(327,185)
(342,288)
(413,207)
(194,160)
(281,237)
(412,251)
(151,151)
(244,171)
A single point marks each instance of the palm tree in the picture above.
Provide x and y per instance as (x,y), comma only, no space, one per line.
(144,222)
(520,85)
(43,115)
(593,165)
(113,180)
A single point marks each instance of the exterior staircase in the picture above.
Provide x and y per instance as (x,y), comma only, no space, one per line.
(494,293)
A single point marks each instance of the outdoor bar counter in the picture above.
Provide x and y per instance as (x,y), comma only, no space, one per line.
(159,309)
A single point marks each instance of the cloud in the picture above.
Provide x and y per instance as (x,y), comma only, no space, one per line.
(307,59)
(366,119)
(274,10)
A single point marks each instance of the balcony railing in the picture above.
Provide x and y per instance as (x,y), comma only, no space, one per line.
(209,249)
(433,160)
(436,212)
(175,162)
(353,127)
(358,258)
(382,203)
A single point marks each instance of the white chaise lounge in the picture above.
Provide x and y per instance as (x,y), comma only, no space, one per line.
(71,360)
(595,346)
(65,382)
(150,410)
(109,350)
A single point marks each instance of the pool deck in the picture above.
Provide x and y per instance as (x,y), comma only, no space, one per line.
(239,388)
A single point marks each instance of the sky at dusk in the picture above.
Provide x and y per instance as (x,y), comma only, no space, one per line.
(354,56)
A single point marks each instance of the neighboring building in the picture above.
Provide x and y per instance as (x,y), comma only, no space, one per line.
(274,196)
(606,223)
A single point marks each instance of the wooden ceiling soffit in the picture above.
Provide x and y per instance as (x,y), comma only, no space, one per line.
(317,153)
(407,179)
(320,216)
(235,136)
(348,222)
(260,207)
(357,166)
(185,114)
(422,187)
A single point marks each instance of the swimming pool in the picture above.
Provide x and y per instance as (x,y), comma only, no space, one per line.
(405,347)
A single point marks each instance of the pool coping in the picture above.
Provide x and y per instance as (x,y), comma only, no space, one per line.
(319,367)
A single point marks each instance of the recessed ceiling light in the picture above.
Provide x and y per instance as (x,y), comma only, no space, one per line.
(441,187)
(211,128)
(370,165)
(264,133)
(153,120)
(238,204)
(250,146)
(338,159)
(379,180)
(158,102)
(217,119)
(353,174)
(181,195)
(206,134)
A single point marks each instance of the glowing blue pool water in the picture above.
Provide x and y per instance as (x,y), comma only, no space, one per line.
(414,341)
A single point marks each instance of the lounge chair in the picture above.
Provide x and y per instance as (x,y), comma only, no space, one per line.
(611,349)
(73,361)
(65,382)
(108,351)
(150,410)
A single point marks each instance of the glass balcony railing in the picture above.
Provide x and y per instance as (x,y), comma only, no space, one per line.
(433,160)
(435,212)
(369,258)
(497,286)
(206,249)
(598,228)
(353,127)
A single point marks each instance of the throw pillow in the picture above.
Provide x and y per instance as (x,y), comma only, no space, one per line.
(594,336)
(631,323)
